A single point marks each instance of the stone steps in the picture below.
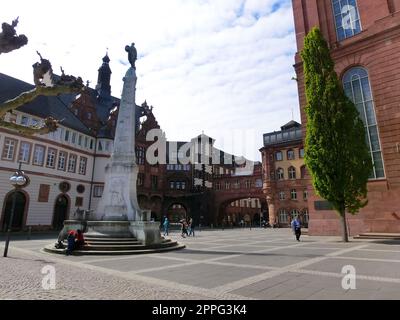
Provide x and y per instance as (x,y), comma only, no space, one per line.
(117,246)
(124,247)
(99,243)
(100,238)
(111,247)
(378,236)
(144,250)
(116,241)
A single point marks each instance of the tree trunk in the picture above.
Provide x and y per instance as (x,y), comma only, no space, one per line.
(345,235)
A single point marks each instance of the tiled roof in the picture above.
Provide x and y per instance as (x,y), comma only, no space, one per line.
(43,107)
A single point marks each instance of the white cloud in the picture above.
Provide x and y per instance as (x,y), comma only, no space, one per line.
(205,65)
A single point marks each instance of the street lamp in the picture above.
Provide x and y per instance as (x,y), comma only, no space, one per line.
(249,201)
(19,180)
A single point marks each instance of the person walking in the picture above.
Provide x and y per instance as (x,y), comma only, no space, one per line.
(166,225)
(191,227)
(296,227)
(184,228)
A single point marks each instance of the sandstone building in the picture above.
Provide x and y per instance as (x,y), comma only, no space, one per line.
(364,38)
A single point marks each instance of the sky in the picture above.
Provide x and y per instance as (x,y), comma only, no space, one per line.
(219,67)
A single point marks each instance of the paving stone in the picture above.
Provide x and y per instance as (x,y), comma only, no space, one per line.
(129,264)
(202,271)
(363,267)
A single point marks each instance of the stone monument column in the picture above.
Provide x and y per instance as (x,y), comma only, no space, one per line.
(119,200)
(118,214)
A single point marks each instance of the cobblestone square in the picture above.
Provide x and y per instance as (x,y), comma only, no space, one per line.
(225,264)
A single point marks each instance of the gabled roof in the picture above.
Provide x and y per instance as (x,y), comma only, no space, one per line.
(43,107)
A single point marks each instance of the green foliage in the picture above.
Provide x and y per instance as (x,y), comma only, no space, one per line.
(336,152)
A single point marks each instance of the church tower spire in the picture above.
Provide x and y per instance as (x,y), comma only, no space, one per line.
(103,86)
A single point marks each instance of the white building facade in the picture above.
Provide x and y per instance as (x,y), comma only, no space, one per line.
(65,169)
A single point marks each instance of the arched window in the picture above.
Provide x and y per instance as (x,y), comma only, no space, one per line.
(347,18)
(292,173)
(280,174)
(357,88)
(283,216)
(294,213)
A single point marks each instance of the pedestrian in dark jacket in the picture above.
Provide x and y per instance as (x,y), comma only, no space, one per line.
(191,227)
(71,239)
(184,228)
(296,227)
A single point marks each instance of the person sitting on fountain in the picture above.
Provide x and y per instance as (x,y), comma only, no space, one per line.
(80,240)
(61,237)
(71,239)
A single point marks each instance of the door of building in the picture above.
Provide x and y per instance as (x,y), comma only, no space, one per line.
(19,211)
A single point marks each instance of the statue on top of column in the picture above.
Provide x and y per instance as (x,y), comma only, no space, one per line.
(132,54)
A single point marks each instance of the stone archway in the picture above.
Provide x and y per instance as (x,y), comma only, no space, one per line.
(234,215)
(143,201)
(61,211)
(20,210)
(156,207)
(176,211)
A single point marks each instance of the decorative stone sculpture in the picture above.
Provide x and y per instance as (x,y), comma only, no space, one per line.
(132,54)
(9,40)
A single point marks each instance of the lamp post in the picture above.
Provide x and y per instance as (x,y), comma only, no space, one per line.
(19,180)
(251,220)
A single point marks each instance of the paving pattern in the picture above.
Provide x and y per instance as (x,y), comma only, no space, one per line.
(216,264)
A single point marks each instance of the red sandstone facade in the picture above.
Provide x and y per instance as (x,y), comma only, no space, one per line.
(374,47)
(284,175)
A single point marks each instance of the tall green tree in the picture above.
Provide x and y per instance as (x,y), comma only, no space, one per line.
(336,151)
